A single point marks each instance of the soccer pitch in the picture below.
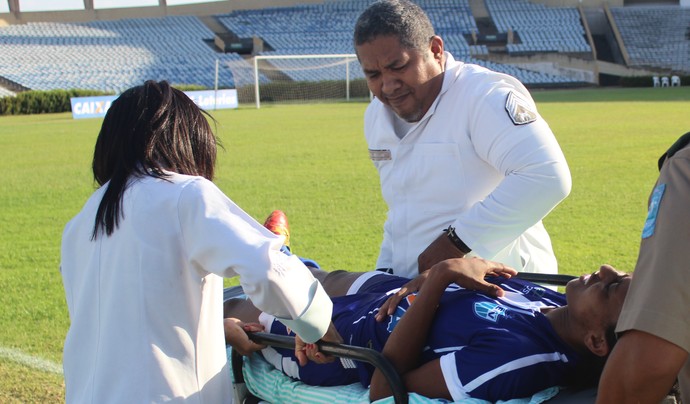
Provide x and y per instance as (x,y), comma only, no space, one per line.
(310,161)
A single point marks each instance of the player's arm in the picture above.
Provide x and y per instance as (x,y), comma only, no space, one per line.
(404,346)
(468,276)
(646,376)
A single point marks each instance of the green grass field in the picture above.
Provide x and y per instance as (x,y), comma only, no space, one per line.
(310,161)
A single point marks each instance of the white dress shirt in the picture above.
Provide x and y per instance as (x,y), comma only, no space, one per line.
(481,159)
(145,303)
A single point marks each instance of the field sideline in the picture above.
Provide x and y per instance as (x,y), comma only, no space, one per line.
(311,162)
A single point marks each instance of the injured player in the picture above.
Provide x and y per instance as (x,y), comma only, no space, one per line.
(464,337)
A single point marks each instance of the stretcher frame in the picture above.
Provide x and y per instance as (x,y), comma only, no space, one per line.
(368,355)
(375,358)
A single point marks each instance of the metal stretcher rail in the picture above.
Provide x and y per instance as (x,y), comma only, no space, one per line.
(339,350)
(549,279)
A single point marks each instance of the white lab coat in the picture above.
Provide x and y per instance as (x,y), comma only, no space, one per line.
(145,303)
(467,164)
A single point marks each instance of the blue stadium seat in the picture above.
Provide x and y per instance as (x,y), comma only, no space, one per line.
(655,36)
(112,55)
(540,28)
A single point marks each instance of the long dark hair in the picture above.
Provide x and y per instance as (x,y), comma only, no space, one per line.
(149,129)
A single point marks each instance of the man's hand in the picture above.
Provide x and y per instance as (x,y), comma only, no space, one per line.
(236,336)
(310,352)
(469,273)
(388,307)
(440,249)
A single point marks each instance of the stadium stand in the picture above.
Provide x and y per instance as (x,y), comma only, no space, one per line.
(112,55)
(300,30)
(305,29)
(655,36)
(116,54)
(540,28)
(327,28)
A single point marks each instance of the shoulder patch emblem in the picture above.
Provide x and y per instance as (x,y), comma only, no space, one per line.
(655,200)
(519,110)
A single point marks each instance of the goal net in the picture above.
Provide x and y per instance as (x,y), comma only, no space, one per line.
(301,79)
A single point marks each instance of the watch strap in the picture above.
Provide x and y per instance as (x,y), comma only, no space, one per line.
(457,242)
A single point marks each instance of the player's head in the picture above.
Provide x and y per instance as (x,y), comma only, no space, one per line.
(149,129)
(594,305)
(595,301)
(401,57)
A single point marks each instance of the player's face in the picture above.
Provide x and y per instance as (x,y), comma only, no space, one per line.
(597,299)
(406,80)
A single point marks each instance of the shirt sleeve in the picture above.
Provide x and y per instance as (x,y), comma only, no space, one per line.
(221,238)
(536,173)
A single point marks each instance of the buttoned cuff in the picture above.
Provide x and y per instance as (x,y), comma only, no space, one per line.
(313,323)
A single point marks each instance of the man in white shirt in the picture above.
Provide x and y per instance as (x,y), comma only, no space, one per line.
(466,163)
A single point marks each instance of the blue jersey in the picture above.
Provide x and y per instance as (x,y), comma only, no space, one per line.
(489,348)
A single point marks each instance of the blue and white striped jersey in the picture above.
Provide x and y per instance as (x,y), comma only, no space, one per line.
(489,348)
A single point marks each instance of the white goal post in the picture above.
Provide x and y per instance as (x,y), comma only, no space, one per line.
(319,68)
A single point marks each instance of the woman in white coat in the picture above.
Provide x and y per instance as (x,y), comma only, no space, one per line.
(142,263)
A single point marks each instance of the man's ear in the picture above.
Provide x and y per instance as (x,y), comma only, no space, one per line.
(595,341)
(437,47)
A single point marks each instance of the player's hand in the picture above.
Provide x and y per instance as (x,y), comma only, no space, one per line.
(310,352)
(389,306)
(469,273)
(236,336)
(315,355)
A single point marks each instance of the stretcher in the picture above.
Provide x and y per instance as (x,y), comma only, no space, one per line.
(255,380)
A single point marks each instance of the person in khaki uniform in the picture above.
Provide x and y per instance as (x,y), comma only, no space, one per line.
(654,325)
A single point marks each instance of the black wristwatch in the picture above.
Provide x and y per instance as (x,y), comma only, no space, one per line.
(453,236)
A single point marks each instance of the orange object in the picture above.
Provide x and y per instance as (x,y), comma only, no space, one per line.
(277,223)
